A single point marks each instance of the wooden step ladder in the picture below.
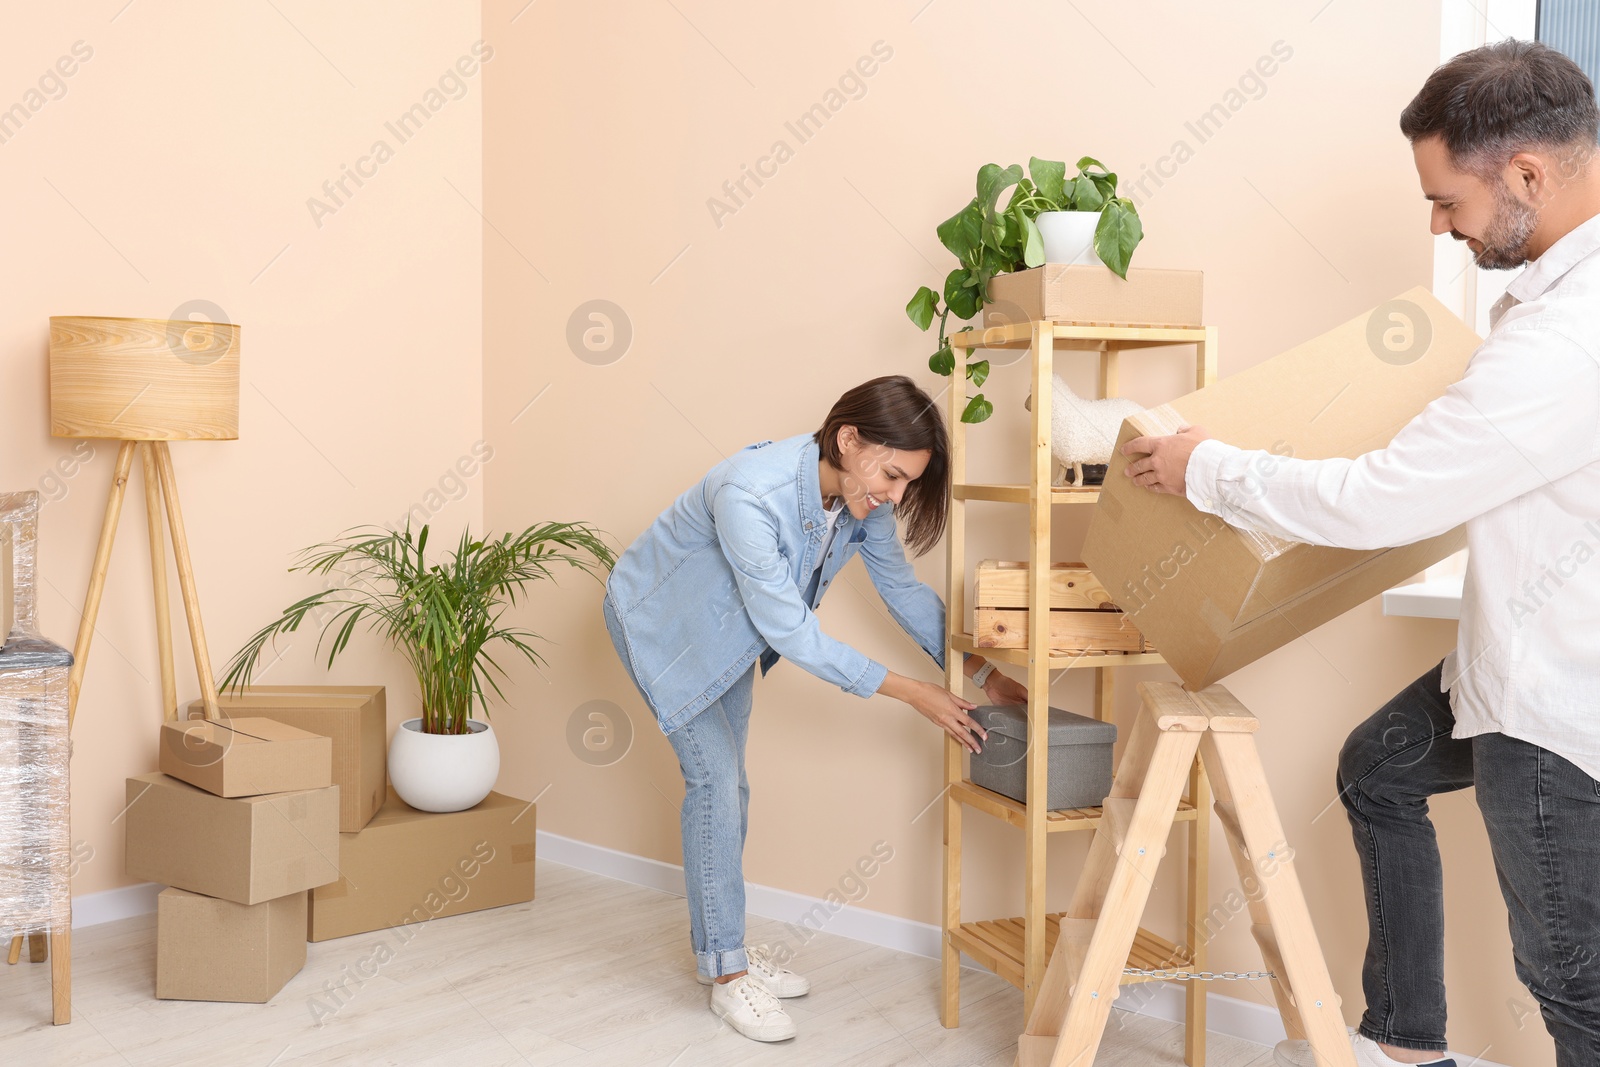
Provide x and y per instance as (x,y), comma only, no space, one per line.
(1084,974)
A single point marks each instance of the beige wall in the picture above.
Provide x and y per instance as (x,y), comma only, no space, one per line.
(177,166)
(607,129)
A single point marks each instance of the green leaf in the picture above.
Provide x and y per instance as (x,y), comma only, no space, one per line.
(922,307)
(1089,161)
(1117,235)
(961,293)
(1048,176)
(1106,184)
(1032,244)
(1085,195)
(978,372)
(978,409)
(962,232)
(992,181)
(995,230)
(942,361)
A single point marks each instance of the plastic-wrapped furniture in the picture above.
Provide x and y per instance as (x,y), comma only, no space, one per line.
(35,825)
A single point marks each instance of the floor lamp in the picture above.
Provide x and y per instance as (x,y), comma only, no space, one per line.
(143,383)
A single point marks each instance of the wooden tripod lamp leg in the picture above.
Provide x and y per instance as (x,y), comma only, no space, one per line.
(97,577)
(158,577)
(191,598)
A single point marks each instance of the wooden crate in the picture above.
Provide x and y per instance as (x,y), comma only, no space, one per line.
(1089,631)
(1082,613)
(1002,583)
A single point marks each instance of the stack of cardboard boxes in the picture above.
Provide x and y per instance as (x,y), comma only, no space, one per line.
(362,859)
(241,821)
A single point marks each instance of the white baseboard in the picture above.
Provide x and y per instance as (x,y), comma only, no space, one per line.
(1243,1019)
(92,909)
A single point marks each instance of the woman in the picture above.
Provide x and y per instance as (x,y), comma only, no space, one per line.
(729,575)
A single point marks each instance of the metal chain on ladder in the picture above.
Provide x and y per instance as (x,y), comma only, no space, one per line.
(1200,976)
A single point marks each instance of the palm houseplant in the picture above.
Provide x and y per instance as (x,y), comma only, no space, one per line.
(1050,218)
(447,618)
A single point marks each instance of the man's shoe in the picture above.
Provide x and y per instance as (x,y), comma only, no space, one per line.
(751,1010)
(1367,1051)
(779,981)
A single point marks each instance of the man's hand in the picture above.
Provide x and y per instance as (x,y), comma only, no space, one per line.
(1164,460)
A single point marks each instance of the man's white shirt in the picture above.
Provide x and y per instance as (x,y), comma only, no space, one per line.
(1512,450)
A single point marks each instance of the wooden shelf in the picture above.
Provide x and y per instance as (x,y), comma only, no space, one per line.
(1016,813)
(1060,660)
(1001,944)
(1019,335)
(997,944)
(1023,494)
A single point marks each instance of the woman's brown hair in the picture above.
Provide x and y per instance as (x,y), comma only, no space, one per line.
(894,411)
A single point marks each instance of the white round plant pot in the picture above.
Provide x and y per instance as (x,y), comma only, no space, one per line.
(443,772)
(1068,236)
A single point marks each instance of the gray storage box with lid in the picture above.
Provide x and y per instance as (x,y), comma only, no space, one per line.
(1079,759)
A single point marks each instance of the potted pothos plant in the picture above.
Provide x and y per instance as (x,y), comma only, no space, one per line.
(1049,218)
(447,619)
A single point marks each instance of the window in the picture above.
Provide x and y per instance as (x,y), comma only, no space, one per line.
(1572,27)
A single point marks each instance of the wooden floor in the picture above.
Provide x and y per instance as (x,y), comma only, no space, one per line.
(594,972)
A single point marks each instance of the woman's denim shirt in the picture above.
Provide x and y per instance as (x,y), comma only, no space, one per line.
(717,581)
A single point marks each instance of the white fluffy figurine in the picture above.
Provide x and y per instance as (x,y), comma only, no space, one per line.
(1081,430)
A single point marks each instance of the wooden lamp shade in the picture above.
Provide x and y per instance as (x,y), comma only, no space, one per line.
(144,379)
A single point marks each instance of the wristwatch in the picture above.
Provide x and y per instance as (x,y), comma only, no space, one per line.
(982,674)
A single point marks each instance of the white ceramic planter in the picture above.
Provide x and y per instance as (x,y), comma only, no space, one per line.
(443,772)
(1068,236)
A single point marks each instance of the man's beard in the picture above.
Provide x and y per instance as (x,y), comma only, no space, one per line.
(1505,243)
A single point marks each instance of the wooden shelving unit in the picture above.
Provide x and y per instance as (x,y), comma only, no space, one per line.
(1018,949)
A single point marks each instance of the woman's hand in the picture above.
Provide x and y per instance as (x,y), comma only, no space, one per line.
(948,712)
(1003,690)
(939,706)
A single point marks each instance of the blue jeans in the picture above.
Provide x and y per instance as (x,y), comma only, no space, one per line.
(1543,818)
(715,815)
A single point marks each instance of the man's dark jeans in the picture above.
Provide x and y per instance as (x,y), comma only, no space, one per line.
(1543,818)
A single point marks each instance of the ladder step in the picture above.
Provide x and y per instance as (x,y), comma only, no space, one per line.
(1033,1051)
(1172,706)
(1075,934)
(1224,713)
(1228,817)
(1115,817)
(1267,942)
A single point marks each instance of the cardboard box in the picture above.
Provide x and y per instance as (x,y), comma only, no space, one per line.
(410,866)
(243,849)
(241,757)
(353,716)
(1213,598)
(8,592)
(210,949)
(1093,294)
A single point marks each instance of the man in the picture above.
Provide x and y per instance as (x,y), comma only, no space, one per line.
(1503,138)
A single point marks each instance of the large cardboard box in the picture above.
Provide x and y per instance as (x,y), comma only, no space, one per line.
(241,757)
(410,866)
(210,949)
(243,849)
(1093,294)
(1213,598)
(353,716)
(8,592)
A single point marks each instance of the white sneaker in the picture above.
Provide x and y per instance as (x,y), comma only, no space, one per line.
(751,1010)
(1368,1054)
(779,981)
